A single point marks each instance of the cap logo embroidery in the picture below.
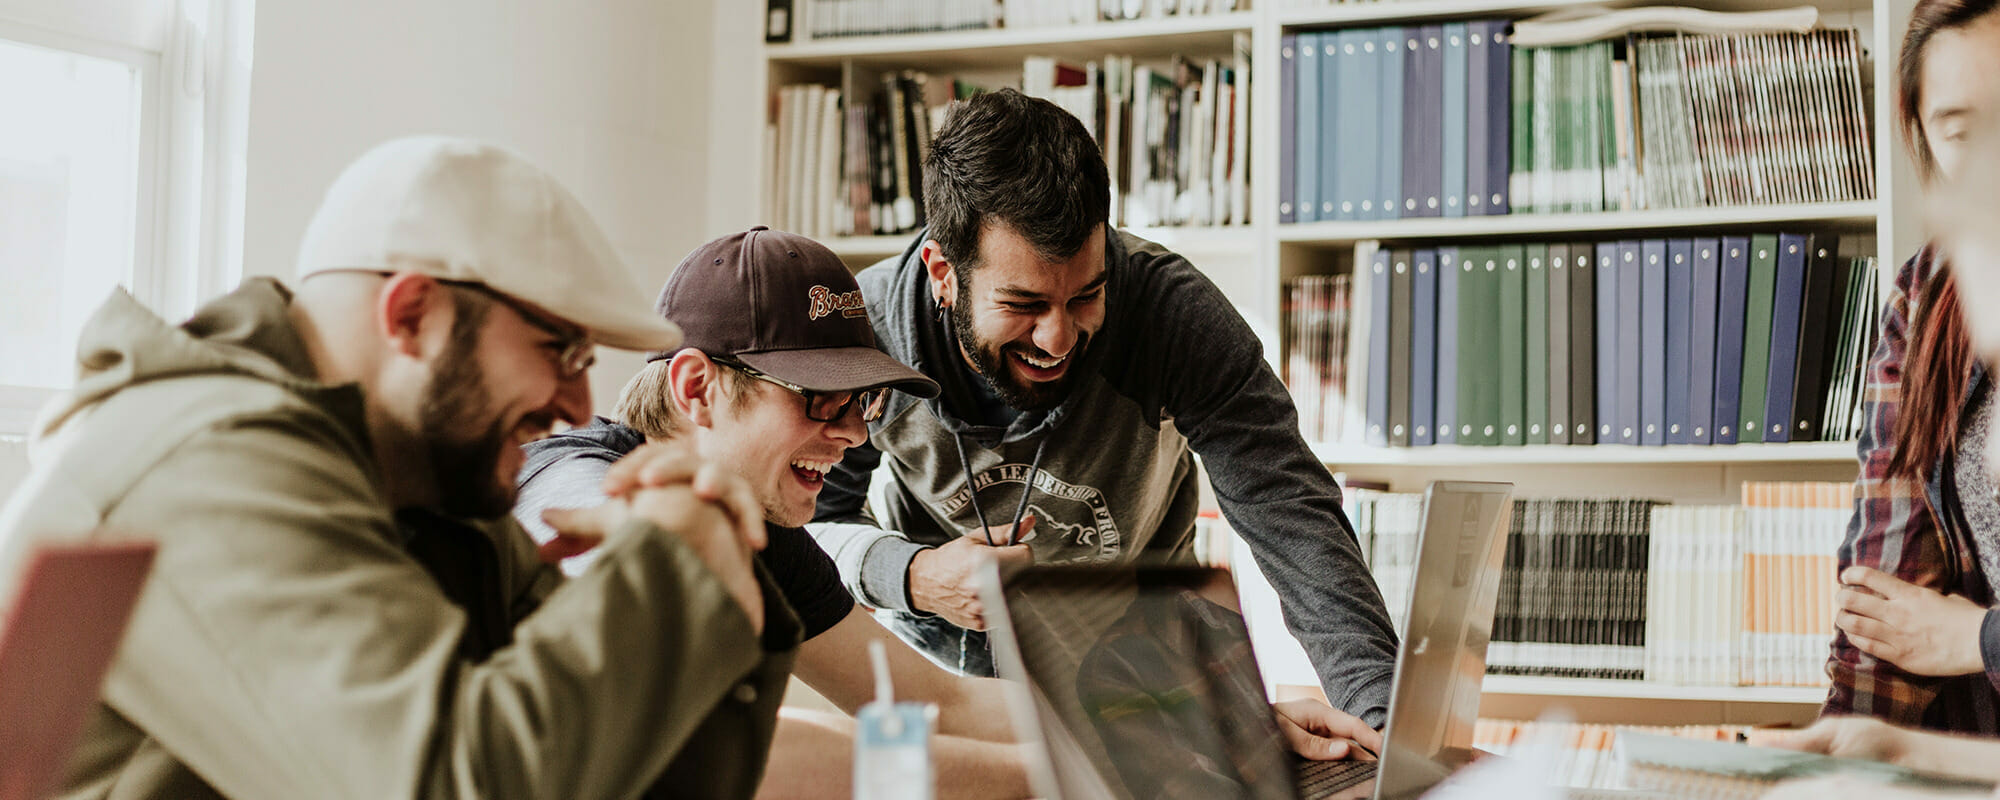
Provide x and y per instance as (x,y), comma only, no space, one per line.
(826,303)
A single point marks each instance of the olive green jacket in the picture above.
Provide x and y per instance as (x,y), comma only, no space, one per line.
(286,646)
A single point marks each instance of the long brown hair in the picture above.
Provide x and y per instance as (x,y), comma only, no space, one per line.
(1938,365)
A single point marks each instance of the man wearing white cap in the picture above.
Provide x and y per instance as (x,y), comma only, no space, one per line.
(341,606)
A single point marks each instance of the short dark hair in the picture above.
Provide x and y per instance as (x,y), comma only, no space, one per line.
(1021,161)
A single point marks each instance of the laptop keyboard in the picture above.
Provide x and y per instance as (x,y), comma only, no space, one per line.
(1319,779)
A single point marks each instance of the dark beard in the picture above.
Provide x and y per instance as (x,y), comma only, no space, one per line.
(464,467)
(989,361)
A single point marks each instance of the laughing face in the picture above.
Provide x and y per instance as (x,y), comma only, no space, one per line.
(764,436)
(1023,319)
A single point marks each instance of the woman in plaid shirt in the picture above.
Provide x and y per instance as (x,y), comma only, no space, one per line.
(1917,644)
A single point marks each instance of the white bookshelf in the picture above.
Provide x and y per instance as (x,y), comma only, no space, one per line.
(1252,262)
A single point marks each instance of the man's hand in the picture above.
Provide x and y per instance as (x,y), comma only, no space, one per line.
(942,579)
(1914,628)
(668,464)
(1323,733)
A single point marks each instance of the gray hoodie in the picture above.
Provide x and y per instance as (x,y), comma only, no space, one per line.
(1174,372)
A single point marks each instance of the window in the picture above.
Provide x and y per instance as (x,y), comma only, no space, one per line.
(120,166)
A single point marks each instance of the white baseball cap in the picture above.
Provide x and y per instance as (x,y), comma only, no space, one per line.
(463,210)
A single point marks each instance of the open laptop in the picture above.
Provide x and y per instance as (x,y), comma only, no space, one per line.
(61,630)
(1139,682)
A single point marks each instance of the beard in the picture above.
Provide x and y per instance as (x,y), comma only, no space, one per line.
(990,361)
(464,453)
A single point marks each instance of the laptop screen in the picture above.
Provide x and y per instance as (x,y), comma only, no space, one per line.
(1150,679)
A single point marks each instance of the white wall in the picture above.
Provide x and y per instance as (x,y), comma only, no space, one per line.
(609,95)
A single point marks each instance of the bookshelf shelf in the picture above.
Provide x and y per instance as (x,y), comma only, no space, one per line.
(1855,214)
(1649,690)
(959,49)
(1229,239)
(1349,455)
(1418,10)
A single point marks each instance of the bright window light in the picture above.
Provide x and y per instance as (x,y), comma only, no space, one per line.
(69,190)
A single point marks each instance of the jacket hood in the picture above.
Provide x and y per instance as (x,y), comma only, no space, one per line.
(246,332)
(909,328)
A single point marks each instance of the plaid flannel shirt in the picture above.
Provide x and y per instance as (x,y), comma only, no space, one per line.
(1893,530)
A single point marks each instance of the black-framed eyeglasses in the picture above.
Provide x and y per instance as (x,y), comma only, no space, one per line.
(821,406)
(578,352)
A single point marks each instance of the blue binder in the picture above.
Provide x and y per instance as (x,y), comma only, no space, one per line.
(1653,342)
(1308,138)
(1414,130)
(1705,284)
(1732,293)
(1334,123)
(1500,110)
(1631,350)
(1389,168)
(1423,348)
(1680,298)
(1432,141)
(1608,422)
(1361,85)
(1288,134)
(1378,349)
(1445,421)
(1788,302)
(1452,194)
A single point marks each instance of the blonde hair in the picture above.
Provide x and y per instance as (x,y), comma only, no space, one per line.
(645,404)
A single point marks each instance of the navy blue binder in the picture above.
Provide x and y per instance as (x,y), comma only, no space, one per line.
(1680,348)
(1705,284)
(1308,138)
(1432,141)
(1608,423)
(1423,347)
(1414,118)
(1788,302)
(1288,141)
(1733,294)
(1445,420)
(1631,349)
(1653,342)
(1389,167)
(1379,310)
(1500,110)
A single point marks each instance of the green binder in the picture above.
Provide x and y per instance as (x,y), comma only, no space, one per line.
(1537,267)
(1757,335)
(1513,309)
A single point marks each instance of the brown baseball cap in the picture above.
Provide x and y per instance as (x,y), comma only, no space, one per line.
(786,306)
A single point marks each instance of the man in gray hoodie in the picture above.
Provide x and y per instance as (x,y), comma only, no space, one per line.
(1081,370)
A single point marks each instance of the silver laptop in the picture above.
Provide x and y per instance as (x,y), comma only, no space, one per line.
(1139,682)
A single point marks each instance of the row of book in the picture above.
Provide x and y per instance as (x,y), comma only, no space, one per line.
(1634,588)
(827,19)
(1760,338)
(838,167)
(1779,546)
(1454,120)
(1175,143)
(1583,754)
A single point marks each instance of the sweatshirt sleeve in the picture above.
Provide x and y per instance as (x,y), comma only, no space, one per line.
(1197,356)
(874,563)
(286,647)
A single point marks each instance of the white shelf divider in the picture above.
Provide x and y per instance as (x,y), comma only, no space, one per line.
(1858,214)
(1162,36)
(1607,454)
(1649,690)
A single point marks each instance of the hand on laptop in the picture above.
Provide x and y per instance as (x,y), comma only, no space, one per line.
(1321,732)
(944,579)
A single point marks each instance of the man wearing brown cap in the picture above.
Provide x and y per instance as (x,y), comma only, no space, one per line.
(340,606)
(777,377)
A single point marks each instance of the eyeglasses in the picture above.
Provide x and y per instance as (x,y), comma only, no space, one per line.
(578,352)
(822,406)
